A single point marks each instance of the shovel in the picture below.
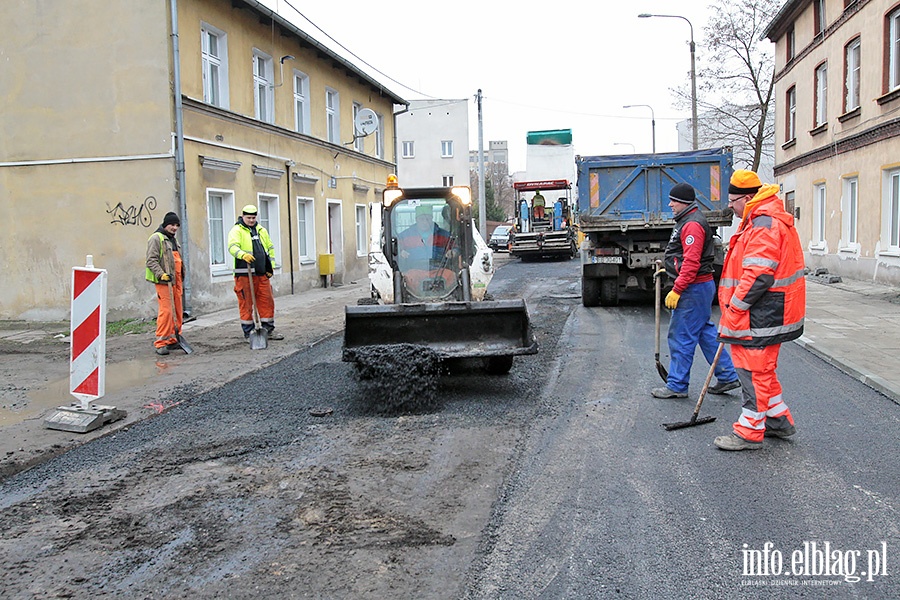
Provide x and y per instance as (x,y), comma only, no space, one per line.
(259,337)
(694,420)
(182,343)
(659,366)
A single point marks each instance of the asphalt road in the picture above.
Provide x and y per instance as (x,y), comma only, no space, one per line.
(556,481)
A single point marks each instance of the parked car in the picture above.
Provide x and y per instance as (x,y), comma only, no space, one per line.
(500,238)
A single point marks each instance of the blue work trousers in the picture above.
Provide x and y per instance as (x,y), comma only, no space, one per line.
(690,325)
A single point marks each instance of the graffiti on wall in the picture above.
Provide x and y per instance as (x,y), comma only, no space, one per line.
(133,215)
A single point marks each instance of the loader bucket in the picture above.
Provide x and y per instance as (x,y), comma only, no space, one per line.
(452,329)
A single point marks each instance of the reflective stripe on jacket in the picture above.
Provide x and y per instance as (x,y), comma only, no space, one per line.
(762,291)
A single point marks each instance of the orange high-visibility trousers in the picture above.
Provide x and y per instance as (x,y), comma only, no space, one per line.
(166,322)
(265,302)
(763,407)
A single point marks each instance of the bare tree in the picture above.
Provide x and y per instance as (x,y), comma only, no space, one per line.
(736,83)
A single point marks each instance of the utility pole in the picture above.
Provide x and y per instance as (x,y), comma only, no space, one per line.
(482,209)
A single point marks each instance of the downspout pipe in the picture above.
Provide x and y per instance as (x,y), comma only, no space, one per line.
(179,156)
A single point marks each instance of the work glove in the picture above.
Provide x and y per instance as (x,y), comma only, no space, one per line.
(247,257)
(269,275)
(165,277)
(672,299)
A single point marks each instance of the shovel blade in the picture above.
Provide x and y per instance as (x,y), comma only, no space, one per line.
(663,372)
(182,343)
(691,423)
(259,339)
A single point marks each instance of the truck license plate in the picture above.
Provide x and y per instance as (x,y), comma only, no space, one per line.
(608,259)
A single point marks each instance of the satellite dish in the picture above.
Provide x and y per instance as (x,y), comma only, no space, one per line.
(366,122)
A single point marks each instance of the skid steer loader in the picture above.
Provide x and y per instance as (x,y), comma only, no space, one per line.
(429,273)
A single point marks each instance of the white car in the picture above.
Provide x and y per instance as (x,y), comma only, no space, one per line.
(500,238)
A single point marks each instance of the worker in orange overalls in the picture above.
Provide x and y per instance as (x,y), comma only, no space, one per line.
(762,294)
(166,270)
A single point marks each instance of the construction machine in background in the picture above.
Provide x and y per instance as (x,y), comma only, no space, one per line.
(429,269)
(550,233)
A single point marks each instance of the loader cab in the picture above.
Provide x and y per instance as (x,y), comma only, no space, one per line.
(428,242)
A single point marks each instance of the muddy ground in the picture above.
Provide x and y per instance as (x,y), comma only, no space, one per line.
(283,483)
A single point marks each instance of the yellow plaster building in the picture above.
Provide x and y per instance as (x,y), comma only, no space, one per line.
(95,130)
(837,150)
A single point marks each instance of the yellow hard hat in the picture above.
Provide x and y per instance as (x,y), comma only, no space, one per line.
(249,210)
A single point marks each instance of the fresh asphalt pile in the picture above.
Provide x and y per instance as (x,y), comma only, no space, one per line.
(398,377)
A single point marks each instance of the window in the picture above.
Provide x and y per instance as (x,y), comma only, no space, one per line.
(361,230)
(818,234)
(267,204)
(849,212)
(447,181)
(851,81)
(790,44)
(306,241)
(892,208)
(821,112)
(220,215)
(790,117)
(332,116)
(301,102)
(893,50)
(358,142)
(264,86)
(379,137)
(447,149)
(214,59)
(409,149)
(819,16)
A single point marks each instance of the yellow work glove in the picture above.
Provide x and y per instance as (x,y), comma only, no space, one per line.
(247,257)
(165,277)
(672,299)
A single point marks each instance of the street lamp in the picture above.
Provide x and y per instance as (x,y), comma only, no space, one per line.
(693,71)
(633,151)
(652,120)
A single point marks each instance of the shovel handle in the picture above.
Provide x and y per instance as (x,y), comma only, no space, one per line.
(252,296)
(712,369)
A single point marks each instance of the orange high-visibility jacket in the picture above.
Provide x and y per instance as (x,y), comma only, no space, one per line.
(762,291)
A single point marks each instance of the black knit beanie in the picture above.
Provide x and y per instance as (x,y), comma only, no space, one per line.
(682,192)
(171,219)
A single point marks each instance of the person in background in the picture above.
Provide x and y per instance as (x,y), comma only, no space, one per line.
(689,264)
(252,248)
(762,294)
(165,269)
(538,203)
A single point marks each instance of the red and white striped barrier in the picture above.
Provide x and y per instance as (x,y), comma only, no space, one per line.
(87,369)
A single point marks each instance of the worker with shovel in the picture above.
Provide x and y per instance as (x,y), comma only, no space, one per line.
(166,270)
(689,264)
(252,248)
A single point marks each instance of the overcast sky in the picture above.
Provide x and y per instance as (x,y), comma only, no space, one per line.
(551,65)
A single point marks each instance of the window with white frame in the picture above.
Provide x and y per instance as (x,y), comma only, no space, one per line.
(851,83)
(332,116)
(267,205)
(306,233)
(301,102)
(447,181)
(790,120)
(361,230)
(818,233)
(214,65)
(379,137)
(891,209)
(220,217)
(359,143)
(850,212)
(893,50)
(408,149)
(821,112)
(264,86)
(447,149)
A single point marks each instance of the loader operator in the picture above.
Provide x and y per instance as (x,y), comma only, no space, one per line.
(689,264)
(424,242)
(252,248)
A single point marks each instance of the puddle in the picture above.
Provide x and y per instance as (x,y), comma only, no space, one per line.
(119,376)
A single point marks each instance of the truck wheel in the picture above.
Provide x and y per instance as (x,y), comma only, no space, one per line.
(590,291)
(498,365)
(609,291)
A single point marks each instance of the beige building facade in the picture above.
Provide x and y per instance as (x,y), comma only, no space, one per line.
(837,150)
(95,132)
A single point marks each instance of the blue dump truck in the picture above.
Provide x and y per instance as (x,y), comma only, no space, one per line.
(624,214)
